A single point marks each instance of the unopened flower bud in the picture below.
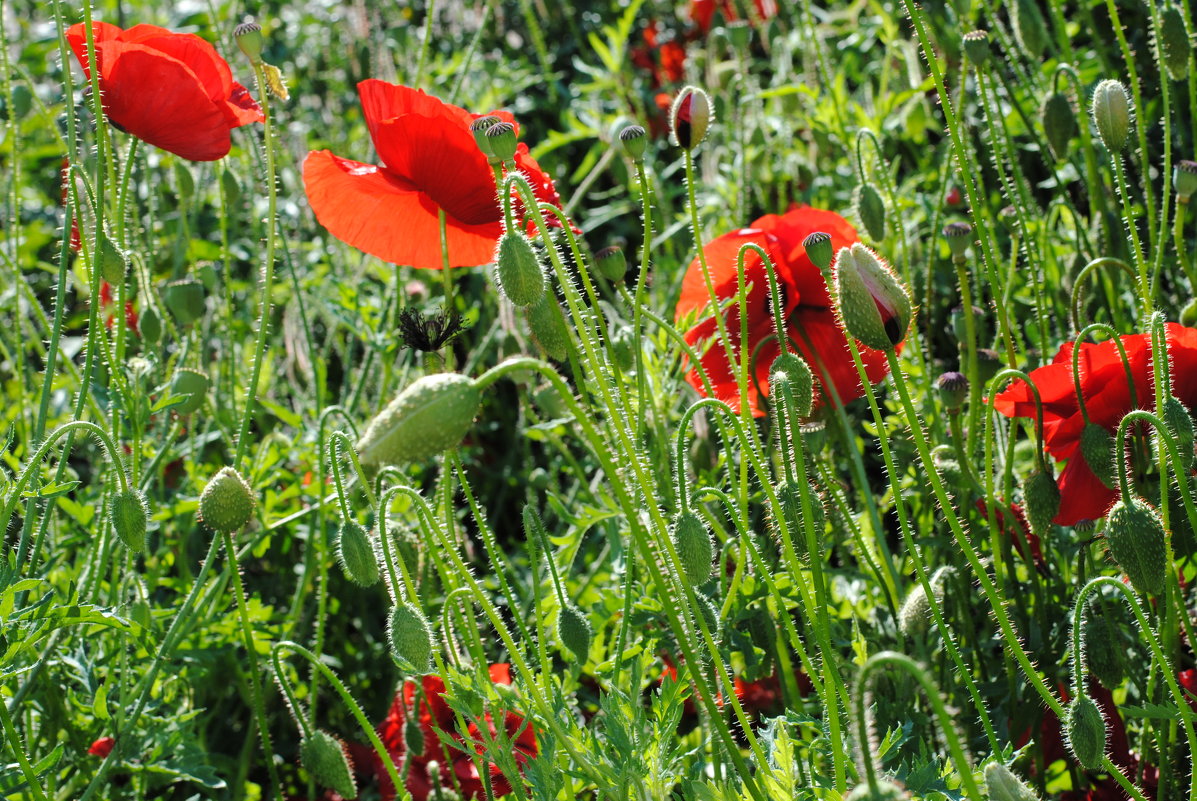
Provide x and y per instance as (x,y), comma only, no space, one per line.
(478,128)
(249,38)
(871,210)
(547,323)
(411,638)
(1030,29)
(611,263)
(227,502)
(185,299)
(690,117)
(874,306)
(1175,44)
(356,554)
(976,48)
(1059,123)
(1112,114)
(413,735)
(793,369)
(886,791)
(818,250)
(1179,423)
(193,386)
(959,236)
(502,141)
(953,390)
(634,141)
(323,756)
(130,517)
(1104,650)
(1097,449)
(1086,730)
(1041,493)
(695,549)
(1002,785)
(574,630)
(114,262)
(739,33)
(431,415)
(518,271)
(1135,536)
(150,324)
(1184,178)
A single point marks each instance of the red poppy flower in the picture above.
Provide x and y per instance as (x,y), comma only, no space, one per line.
(1107,400)
(171,90)
(430,162)
(663,61)
(1012,524)
(703,11)
(102,747)
(811,323)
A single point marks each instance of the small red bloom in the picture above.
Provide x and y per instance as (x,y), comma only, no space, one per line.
(811,323)
(430,163)
(703,11)
(954,196)
(102,747)
(171,90)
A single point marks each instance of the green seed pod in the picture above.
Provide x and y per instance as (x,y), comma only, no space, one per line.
(249,38)
(1042,496)
(194,385)
(611,263)
(518,271)
(1086,730)
(1103,650)
(227,502)
(430,416)
(634,141)
(1002,785)
(1175,44)
(1135,535)
(871,210)
(1097,449)
(150,324)
(130,517)
(1179,422)
(690,117)
(185,299)
(356,554)
(976,48)
(411,638)
(502,141)
(324,757)
(1184,179)
(478,128)
(802,382)
(886,791)
(1112,114)
(574,630)
(874,306)
(1030,29)
(818,250)
(1059,123)
(114,262)
(547,323)
(413,735)
(953,390)
(959,236)
(695,549)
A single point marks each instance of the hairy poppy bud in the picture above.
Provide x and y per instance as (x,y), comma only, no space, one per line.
(690,117)
(1184,178)
(1135,535)
(1002,785)
(1086,730)
(518,272)
(501,139)
(739,33)
(1103,650)
(230,186)
(1097,449)
(324,757)
(413,735)
(623,347)
(959,236)
(1059,123)
(193,384)
(953,390)
(574,630)
(249,38)
(185,299)
(710,615)
(818,250)
(789,498)
(1112,114)
(1042,496)
(634,141)
(548,327)
(873,305)
(886,791)
(130,516)
(792,368)
(611,263)
(150,324)
(871,210)
(1175,44)
(1030,29)
(976,48)
(695,549)
(114,262)
(915,616)
(356,554)
(431,415)
(478,128)
(411,638)
(1179,423)
(227,502)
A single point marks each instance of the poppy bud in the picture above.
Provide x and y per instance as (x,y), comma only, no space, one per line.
(185,299)
(1002,785)
(611,263)
(548,327)
(184,180)
(1111,114)
(1179,423)
(574,630)
(1086,730)
(227,502)
(102,747)
(1097,449)
(695,549)
(1059,123)
(413,735)
(944,459)
(886,791)
(324,757)
(1135,536)
(1175,45)
(634,140)
(191,384)
(114,262)
(976,48)
(959,236)
(690,117)
(988,364)
(431,415)
(792,368)
(739,33)
(150,325)
(1184,178)
(915,616)
(871,210)
(818,250)
(623,348)
(789,498)
(874,307)
(953,390)
(249,38)
(1009,217)
(130,516)
(518,271)
(478,128)
(1042,496)
(501,139)
(710,615)
(1030,29)
(231,186)
(356,554)
(1103,649)
(411,638)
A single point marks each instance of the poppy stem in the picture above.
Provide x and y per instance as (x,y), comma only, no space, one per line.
(446,277)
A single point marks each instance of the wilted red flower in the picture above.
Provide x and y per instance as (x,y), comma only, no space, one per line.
(811,323)
(430,162)
(1107,399)
(170,90)
(703,11)
(102,747)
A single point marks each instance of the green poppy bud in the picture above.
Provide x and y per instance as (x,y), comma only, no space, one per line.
(739,33)
(518,271)
(690,117)
(1086,730)
(789,498)
(886,791)
(793,368)
(1184,178)
(1179,422)
(818,250)
(1030,29)
(430,416)
(953,390)
(1112,114)
(501,139)
(231,186)
(410,637)
(1104,650)
(324,757)
(227,502)
(114,262)
(356,554)
(634,141)
(185,299)
(249,38)
(695,548)
(150,324)
(413,735)
(874,306)
(1135,536)
(871,210)
(710,615)
(1059,123)
(1097,449)
(191,384)
(959,236)
(1042,496)
(1175,44)
(547,323)
(611,263)
(130,517)
(976,48)
(1002,785)
(574,630)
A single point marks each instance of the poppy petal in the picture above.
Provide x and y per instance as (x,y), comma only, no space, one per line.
(1082,495)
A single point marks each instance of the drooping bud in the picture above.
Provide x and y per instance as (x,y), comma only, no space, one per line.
(695,549)
(478,128)
(976,48)
(324,757)
(1059,123)
(227,502)
(1112,114)
(501,139)
(1104,650)
(818,250)
(114,262)
(356,554)
(1097,449)
(802,382)
(874,306)
(574,630)
(1184,178)
(953,390)
(871,210)
(959,236)
(690,117)
(1179,422)
(1002,785)
(914,618)
(1030,29)
(1135,535)
(193,385)
(710,615)
(1086,730)
(185,299)
(130,517)
(789,498)
(611,263)
(547,323)
(518,271)
(410,637)
(249,38)
(1042,496)
(1175,44)
(431,415)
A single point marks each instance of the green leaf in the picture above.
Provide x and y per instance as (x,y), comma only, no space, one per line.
(100,704)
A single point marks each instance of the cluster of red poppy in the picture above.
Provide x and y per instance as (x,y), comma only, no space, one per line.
(106,301)
(1108,397)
